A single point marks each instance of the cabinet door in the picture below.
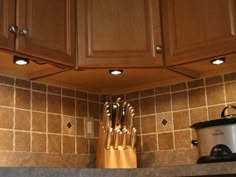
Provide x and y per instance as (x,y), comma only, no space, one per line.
(198,29)
(49,29)
(118,33)
(7,18)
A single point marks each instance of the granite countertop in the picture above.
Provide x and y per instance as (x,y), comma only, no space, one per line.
(213,169)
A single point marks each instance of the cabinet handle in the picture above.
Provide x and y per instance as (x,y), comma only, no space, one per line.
(13,28)
(24,32)
(158,49)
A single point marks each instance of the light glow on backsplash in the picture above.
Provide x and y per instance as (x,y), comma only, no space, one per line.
(40,121)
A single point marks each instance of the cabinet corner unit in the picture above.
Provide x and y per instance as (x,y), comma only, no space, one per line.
(119,33)
(39,28)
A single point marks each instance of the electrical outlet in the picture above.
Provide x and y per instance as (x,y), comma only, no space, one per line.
(88,127)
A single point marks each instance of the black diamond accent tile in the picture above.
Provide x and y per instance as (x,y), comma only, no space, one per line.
(69,125)
(164,122)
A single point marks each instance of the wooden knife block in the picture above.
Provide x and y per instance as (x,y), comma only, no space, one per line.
(114,158)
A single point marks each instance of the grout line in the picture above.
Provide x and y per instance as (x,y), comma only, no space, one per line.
(172,117)
(47,138)
(155,114)
(189,116)
(14,116)
(31,132)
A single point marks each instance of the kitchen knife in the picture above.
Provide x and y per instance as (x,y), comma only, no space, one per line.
(122,116)
(108,139)
(117,121)
(133,138)
(124,138)
(129,119)
(113,115)
(116,138)
(107,122)
(127,114)
(105,109)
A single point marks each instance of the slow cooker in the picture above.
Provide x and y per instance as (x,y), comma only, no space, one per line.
(216,139)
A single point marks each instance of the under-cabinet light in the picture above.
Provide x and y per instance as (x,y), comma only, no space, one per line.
(116,71)
(218,61)
(20,60)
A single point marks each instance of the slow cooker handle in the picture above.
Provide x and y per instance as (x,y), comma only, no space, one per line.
(223,111)
(194,142)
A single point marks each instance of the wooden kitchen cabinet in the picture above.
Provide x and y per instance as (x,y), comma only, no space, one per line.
(7,18)
(198,29)
(119,33)
(46,29)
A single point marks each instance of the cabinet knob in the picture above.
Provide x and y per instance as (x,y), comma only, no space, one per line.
(158,49)
(24,32)
(13,28)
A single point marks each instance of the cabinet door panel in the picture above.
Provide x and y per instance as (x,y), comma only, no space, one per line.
(7,18)
(198,29)
(51,29)
(117,33)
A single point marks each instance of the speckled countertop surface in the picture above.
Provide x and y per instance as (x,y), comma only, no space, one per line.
(228,168)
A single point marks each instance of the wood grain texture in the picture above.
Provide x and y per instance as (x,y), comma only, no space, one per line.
(195,30)
(51,26)
(118,33)
(7,18)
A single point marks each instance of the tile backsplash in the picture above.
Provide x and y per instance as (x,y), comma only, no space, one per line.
(164,115)
(43,125)
(45,121)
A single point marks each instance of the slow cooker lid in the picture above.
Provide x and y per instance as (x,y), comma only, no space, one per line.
(216,122)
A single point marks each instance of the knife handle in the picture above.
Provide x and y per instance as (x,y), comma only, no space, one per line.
(124,138)
(108,139)
(116,138)
(133,138)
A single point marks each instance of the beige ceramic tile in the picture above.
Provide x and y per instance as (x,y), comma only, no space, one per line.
(54,144)
(38,122)
(93,110)
(68,145)
(54,123)
(149,143)
(22,141)
(179,101)
(198,115)
(6,142)
(165,141)
(148,124)
(54,103)
(82,145)
(182,139)
(197,97)
(22,98)
(181,120)
(230,90)
(7,99)
(38,142)
(215,94)
(6,118)
(163,103)
(81,108)
(80,126)
(39,101)
(22,120)
(68,106)
(147,106)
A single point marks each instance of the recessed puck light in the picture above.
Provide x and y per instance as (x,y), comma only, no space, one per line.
(116,71)
(20,60)
(218,61)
